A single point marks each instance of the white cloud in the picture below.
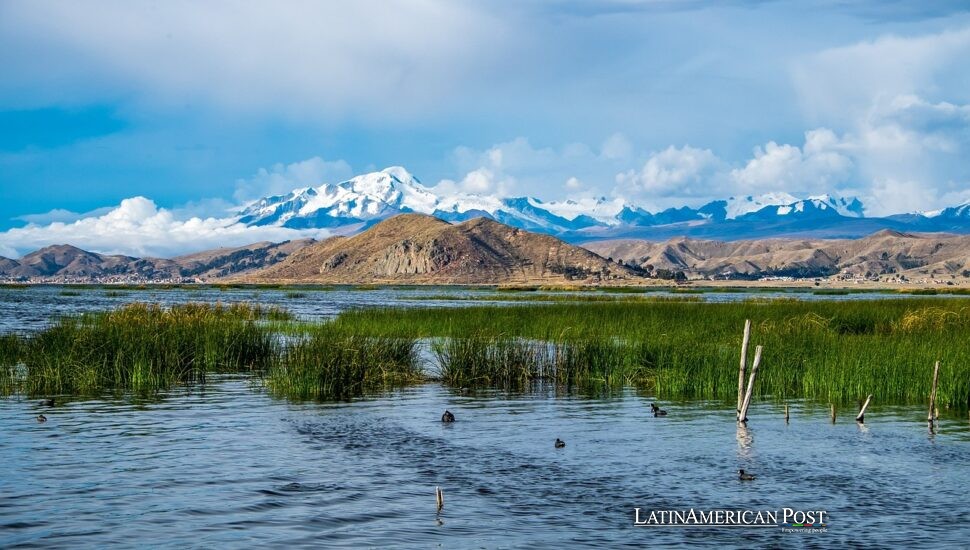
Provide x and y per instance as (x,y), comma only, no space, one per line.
(816,168)
(303,58)
(137,227)
(839,84)
(282,178)
(674,172)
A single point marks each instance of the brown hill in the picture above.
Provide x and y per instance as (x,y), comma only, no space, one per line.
(69,263)
(885,252)
(415,248)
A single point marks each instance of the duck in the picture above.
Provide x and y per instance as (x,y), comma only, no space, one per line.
(41,418)
(448,417)
(657,411)
(745,477)
(47,402)
(560,443)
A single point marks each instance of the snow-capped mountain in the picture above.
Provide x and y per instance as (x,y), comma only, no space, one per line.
(361,201)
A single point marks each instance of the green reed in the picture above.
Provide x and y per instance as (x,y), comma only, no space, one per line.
(328,365)
(144,348)
(831,351)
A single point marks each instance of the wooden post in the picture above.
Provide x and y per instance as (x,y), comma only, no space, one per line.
(786,413)
(744,361)
(439,498)
(861,417)
(833,413)
(936,376)
(743,414)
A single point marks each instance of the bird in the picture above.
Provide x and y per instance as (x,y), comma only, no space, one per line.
(41,418)
(447,417)
(47,402)
(657,411)
(745,477)
(560,443)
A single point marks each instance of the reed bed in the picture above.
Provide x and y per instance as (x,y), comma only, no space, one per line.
(329,365)
(142,348)
(829,351)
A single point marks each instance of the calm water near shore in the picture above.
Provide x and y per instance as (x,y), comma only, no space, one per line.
(231,467)
(226,465)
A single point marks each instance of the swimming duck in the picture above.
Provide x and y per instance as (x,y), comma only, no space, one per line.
(560,443)
(447,417)
(657,411)
(47,402)
(745,477)
(41,418)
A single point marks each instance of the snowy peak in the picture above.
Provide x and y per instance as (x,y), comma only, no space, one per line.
(736,207)
(368,198)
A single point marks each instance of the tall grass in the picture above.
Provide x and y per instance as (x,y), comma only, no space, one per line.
(328,365)
(144,348)
(831,351)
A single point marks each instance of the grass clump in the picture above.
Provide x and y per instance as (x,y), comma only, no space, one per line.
(328,365)
(829,351)
(144,348)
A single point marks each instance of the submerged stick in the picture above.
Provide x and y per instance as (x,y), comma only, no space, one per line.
(786,413)
(439,498)
(861,417)
(936,376)
(744,361)
(833,413)
(743,414)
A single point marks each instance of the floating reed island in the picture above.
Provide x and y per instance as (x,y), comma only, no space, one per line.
(831,352)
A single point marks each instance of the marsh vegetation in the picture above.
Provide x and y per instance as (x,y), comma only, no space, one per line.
(675,347)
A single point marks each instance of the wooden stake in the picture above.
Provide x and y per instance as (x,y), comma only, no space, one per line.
(861,417)
(936,376)
(439,498)
(833,413)
(744,361)
(786,413)
(743,414)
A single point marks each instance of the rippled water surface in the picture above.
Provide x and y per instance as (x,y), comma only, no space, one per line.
(231,467)
(228,466)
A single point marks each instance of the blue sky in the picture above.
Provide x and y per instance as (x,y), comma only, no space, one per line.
(201,106)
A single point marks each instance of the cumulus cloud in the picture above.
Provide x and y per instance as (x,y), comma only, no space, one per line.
(137,227)
(674,172)
(816,167)
(517,167)
(282,178)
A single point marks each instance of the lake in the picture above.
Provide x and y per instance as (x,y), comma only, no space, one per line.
(226,465)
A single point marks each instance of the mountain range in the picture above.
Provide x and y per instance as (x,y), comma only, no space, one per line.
(353,205)
(421,249)
(885,253)
(66,263)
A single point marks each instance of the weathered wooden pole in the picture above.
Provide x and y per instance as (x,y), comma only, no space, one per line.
(833,413)
(743,414)
(936,376)
(861,417)
(744,361)
(439,498)
(786,413)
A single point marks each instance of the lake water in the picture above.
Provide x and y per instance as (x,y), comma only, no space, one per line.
(231,467)
(228,466)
